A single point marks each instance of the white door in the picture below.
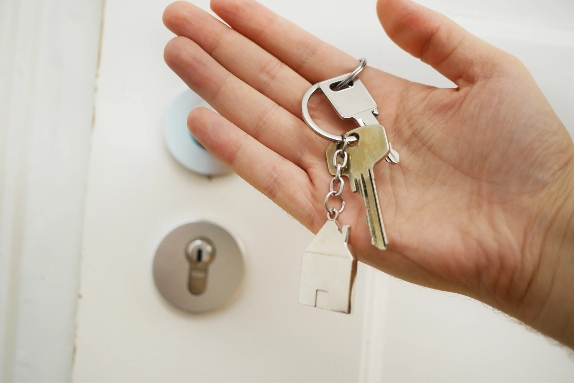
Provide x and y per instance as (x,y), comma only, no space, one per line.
(137,193)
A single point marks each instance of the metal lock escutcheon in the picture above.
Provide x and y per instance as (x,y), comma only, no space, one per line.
(182,145)
(198,267)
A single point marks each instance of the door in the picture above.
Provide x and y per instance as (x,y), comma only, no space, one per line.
(137,193)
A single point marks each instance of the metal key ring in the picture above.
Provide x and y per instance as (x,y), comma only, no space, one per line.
(352,76)
(307,116)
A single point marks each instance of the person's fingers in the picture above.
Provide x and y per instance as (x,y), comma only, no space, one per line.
(251,111)
(245,59)
(306,54)
(260,69)
(438,41)
(277,178)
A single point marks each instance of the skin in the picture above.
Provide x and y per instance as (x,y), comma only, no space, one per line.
(481,202)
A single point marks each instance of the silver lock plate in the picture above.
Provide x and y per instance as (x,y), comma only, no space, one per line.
(173,273)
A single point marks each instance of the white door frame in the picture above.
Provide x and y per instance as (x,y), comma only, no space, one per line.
(48,60)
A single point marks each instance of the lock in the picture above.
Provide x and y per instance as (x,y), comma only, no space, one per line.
(182,145)
(198,267)
(199,253)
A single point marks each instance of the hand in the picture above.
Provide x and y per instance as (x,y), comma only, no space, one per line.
(480,202)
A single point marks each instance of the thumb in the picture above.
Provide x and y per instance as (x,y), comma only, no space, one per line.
(457,54)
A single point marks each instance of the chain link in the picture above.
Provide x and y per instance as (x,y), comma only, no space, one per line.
(333,213)
(340,161)
(341,182)
(340,153)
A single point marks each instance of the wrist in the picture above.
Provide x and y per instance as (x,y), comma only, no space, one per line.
(548,304)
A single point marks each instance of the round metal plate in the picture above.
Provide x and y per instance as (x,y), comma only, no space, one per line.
(181,143)
(171,268)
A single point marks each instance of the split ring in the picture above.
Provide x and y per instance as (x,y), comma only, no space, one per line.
(352,76)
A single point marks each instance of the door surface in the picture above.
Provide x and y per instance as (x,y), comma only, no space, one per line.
(137,194)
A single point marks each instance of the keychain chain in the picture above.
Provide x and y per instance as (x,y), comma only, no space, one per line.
(341,157)
(340,162)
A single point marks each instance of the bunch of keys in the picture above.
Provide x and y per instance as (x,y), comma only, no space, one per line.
(328,269)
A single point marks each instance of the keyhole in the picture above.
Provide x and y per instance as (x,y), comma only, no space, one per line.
(199,254)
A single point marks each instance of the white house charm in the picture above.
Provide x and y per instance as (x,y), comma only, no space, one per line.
(328,270)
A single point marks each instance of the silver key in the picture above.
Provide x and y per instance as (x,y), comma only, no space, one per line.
(355,102)
(328,270)
(372,147)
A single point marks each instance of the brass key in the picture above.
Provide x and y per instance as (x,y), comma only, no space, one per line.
(372,146)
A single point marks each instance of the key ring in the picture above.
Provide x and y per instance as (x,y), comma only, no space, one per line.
(352,76)
(345,80)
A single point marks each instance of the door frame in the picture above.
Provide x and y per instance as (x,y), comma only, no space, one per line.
(49,52)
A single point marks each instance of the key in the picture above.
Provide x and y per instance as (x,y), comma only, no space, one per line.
(328,270)
(372,147)
(355,102)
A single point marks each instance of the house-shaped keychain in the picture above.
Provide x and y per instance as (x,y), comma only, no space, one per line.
(328,270)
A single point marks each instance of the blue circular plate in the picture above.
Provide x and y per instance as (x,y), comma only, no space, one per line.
(181,143)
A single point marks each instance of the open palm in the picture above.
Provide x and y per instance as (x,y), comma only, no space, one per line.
(463,209)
